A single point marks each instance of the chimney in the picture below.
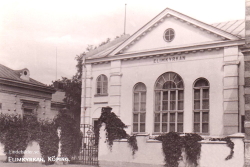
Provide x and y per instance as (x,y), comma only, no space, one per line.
(247,22)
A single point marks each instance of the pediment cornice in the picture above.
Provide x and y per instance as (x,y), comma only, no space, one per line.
(160,18)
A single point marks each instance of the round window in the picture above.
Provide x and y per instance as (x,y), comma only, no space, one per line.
(169,35)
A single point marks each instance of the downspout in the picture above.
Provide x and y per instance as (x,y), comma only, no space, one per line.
(83,95)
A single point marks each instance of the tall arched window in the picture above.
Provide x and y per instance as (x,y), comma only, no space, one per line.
(169,106)
(201,106)
(139,108)
(102,85)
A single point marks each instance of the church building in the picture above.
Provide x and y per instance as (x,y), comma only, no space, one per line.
(175,73)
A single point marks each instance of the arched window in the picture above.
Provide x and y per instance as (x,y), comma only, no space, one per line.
(102,85)
(169,106)
(201,106)
(139,108)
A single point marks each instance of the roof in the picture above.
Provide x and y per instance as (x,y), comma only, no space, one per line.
(235,27)
(10,74)
(231,30)
(107,48)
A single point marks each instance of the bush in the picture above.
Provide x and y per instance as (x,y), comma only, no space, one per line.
(70,137)
(48,141)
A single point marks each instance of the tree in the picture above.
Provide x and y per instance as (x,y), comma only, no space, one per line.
(72,86)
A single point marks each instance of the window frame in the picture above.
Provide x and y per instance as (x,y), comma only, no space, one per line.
(169,111)
(29,105)
(139,112)
(201,111)
(102,78)
(169,35)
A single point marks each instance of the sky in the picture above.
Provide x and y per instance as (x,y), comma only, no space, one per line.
(46,35)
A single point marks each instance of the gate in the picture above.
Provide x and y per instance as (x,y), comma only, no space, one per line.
(89,151)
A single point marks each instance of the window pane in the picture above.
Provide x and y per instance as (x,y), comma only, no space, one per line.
(180,84)
(172,127)
(105,90)
(164,127)
(142,117)
(157,101)
(135,118)
(165,105)
(172,95)
(143,96)
(201,83)
(99,79)
(205,104)
(196,117)
(28,111)
(142,127)
(197,94)
(205,128)
(165,95)
(177,78)
(98,90)
(136,97)
(157,117)
(180,95)
(172,117)
(180,117)
(105,85)
(157,127)
(136,106)
(136,101)
(143,106)
(205,117)
(196,127)
(196,104)
(165,117)
(180,105)
(104,78)
(169,85)
(99,84)
(140,87)
(205,93)
(172,105)
(135,127)
(180,127)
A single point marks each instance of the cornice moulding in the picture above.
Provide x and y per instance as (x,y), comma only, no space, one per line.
(25,85)
(169,51)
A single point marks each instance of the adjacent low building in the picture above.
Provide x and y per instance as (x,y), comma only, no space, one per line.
(20,94)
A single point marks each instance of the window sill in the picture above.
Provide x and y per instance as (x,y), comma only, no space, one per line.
(100,95)
(140,133)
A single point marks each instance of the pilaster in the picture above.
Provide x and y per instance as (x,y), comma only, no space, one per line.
(115,86)
(231,92)
(86,94)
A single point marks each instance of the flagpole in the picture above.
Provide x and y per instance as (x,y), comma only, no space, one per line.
(125,20)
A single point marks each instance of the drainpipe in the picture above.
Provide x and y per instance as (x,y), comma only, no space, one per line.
(83,94)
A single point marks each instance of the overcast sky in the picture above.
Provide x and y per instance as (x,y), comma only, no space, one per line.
(31,30)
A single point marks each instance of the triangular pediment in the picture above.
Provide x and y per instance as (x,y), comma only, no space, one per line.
(188,31)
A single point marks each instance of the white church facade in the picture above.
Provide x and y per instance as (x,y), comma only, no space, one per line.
(174,74)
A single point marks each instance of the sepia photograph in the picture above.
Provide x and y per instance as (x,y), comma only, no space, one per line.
(162,83)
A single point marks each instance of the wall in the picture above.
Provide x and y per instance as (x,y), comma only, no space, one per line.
(216,66)
(185,34)
(201,64)
(150,153)
(11,104)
